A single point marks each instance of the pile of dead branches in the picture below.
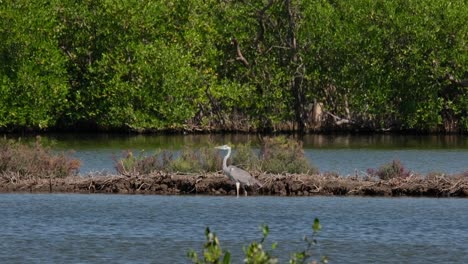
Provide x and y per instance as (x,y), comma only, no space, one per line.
(434,185)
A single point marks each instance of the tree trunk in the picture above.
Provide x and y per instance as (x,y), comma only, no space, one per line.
(296,69)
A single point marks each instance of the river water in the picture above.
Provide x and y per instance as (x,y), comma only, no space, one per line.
(344,154)
(73,228)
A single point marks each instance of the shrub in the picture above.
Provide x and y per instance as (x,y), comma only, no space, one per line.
(35,160)
(143,164)
(254,252)
(212,251)
(394,169)
(204,159)
(245,157)
(281,154)
(277,155)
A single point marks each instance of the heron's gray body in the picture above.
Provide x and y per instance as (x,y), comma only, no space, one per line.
(238,175)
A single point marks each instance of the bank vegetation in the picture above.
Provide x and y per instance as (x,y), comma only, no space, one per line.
(279,165)
(262,65)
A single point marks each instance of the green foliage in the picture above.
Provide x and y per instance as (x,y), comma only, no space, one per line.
(254,252)
(134,73)
(281,154)
(212,251)
(33,80)
(393,56)
(231,65)
(204,159)
(245,157)
(277,155)
(303,256)
(34,160)
(394,169)
(143,164)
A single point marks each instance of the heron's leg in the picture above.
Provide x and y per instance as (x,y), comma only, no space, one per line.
(237,188)
(245,191)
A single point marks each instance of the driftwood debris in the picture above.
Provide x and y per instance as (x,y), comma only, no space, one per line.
(217,184)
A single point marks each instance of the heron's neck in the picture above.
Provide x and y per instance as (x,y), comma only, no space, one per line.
(225,159)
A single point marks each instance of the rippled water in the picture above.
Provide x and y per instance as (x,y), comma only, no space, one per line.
(69,228)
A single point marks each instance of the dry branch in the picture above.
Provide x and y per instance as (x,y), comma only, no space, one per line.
(218,184)
(239,57)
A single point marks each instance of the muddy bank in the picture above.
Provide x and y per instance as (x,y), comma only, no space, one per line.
(218,184)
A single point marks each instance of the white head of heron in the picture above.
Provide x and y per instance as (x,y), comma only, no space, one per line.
(224,147)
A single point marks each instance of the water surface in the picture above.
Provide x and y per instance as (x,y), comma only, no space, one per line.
(345,154)
(72,228)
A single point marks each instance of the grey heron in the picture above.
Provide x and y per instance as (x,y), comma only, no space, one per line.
(238,175)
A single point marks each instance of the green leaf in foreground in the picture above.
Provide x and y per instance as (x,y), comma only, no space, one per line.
(254,252)
(316,226)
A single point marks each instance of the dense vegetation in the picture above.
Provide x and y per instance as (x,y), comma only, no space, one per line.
(234,65)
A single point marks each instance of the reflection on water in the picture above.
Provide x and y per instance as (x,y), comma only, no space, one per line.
(378,141)
(387,141)
(345,154)
(66,228)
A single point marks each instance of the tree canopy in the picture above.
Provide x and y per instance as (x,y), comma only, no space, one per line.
(152,65)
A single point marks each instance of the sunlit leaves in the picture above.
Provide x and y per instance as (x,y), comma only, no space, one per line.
(33,82)
(151,65)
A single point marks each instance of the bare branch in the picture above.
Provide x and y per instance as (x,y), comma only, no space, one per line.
(240,57)
(260,18)
(338,120)
(453,80)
